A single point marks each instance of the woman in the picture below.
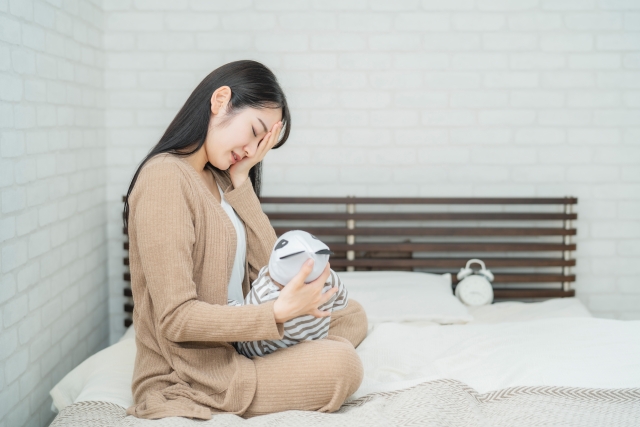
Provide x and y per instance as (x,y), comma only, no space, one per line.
(197,235)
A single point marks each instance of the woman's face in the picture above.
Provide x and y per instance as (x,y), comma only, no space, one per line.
(231,138)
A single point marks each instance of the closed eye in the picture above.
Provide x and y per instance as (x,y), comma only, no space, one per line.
(254,131)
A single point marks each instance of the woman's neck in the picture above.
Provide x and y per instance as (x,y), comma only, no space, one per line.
(198,159)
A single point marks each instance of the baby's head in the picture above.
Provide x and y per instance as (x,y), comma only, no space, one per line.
(291,250)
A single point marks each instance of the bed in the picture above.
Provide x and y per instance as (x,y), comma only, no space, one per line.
(536,356)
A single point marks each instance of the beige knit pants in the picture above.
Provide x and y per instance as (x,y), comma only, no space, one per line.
(313,375)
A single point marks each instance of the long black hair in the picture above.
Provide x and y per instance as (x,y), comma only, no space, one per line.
(252,85)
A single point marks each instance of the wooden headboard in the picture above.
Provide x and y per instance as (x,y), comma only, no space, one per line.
(525,242)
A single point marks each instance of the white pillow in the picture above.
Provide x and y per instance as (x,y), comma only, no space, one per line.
(106,376)
(129,334)
(403,296)
(517,311)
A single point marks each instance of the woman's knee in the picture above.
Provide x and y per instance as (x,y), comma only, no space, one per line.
(316,375)
(350,323)
(354,367)
(361,323)
(346,366)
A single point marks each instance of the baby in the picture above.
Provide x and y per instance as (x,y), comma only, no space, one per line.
(291,250)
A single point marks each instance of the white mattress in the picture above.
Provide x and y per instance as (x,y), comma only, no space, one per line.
(555,342)
(562,351)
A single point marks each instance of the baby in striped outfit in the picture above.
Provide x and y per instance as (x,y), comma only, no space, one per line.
(291,250)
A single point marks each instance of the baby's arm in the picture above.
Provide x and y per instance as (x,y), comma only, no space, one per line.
(341,299)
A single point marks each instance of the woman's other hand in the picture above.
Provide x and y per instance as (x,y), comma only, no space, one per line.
(239,172)
(298,298)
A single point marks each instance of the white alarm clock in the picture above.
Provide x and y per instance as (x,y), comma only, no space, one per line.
(474,288)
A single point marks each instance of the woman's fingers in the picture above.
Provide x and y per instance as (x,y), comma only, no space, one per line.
(322,279)
(271,137)
(315,297)
(276,134)
(329,294)
(320,313)
(264,146)
(298,279)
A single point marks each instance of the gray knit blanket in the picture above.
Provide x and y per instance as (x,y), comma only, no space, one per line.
(434,403)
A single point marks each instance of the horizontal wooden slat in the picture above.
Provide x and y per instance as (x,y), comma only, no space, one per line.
(423,200)
(372,250)
(499,277)
(452,262)
(498,293)
(446,247)
(420,200)
(423,216)
(453,247)
(432,231)
(532,293)
(525,278)
(128,322)
(126,246)
(445,262)
(127,292)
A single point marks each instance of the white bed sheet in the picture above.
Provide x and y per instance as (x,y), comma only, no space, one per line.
(555,342)
(509,344)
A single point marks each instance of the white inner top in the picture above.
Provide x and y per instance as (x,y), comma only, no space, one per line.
(237,273)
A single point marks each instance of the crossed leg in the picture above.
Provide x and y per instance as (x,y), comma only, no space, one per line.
(313,375)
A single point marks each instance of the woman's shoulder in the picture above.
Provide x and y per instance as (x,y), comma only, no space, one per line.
(163,162)
(164,173)
(166,166)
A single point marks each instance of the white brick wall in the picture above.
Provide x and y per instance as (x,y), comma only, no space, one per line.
(53,259)
(482,97)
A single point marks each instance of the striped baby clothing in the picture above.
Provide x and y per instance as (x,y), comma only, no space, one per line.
(296,330)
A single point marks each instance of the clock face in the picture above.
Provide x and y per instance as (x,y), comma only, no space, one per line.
(474,291)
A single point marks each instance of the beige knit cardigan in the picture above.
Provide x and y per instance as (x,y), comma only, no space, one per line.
(181,247)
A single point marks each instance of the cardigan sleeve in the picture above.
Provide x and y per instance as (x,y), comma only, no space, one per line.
(163,222)
(261,237)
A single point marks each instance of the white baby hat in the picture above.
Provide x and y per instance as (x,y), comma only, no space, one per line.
(291,250)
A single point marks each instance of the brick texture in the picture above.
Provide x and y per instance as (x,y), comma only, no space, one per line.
(53,217)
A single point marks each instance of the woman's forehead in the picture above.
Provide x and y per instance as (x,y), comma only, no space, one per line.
(264,116)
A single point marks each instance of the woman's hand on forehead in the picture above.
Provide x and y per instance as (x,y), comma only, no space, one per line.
(239,172)
(271,137)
